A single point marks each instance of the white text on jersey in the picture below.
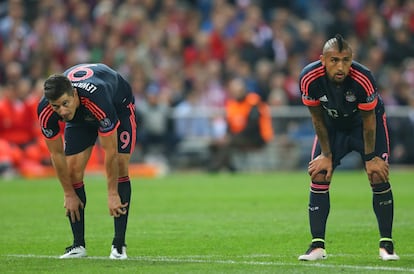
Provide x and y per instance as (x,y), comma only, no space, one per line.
(86,86)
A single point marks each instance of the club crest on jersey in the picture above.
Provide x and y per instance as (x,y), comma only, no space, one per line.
(350,96)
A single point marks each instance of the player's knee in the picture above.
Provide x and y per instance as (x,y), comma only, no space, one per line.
(320,177)
(376,179)
(123,164)
(75,173)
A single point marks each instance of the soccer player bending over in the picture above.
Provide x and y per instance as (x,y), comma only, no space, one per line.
(348,115)
(93,100)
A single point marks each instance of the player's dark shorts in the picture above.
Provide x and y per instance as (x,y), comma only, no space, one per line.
(343,142)
(79,137)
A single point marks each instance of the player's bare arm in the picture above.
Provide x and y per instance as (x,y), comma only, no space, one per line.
(322,162)
(72,203)
(376,168)
(109,144)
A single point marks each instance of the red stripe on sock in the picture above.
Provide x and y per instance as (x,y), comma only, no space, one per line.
(123,179)
(78,185)
(318,186)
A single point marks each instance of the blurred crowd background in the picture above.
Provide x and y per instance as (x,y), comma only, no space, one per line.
(176,55)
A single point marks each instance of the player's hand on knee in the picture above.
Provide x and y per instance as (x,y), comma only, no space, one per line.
(321,165)
(116,208)
(377,170)
(72,203)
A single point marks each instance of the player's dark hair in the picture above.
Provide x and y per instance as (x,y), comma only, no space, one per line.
(336,42)
(340,42)
(57,85)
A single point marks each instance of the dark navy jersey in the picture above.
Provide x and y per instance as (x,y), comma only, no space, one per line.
(341,102)
(103,95)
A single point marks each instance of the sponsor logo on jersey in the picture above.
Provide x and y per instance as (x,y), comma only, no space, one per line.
(89,118)
(350,96)
(323,99)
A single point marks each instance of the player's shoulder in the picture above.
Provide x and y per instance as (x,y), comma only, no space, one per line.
(44,109)
(42,104)
(313,71)
(359,70)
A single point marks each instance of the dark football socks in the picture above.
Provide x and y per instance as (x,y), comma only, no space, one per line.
(383,204)
(319,205)
(78,227)
(120,223)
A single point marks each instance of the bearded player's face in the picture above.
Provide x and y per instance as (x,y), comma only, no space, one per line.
(337,64)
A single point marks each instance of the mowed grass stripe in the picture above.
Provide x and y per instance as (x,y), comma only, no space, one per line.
(207,260)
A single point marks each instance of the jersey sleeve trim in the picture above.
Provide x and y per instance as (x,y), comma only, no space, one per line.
(49,129)
(309,77)
(368,106)
(45,115)
(363,80)
(310,102)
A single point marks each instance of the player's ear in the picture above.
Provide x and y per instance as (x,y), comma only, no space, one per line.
(75,92)
(322,58)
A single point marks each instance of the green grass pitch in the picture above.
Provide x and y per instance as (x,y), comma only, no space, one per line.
(201,223)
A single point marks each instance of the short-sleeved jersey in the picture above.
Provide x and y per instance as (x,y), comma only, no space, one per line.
(341,102)
(103,95)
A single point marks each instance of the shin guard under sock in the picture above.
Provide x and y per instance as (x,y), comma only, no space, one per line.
(319,205)
(383,205)
(120,223)
(78,227)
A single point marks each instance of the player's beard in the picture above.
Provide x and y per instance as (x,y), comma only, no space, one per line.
(338,80)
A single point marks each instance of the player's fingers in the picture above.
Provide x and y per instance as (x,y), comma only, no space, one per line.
(121,210)
(311,169)
(114,213)
(384,176)
(72,216)
(77,215)
(314,175)
(370,178)
(328,175)
(311,164)
(124,205)
(382,173)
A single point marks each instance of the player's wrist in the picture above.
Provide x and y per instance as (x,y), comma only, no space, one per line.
(369,156)
(327,154)
(68,195)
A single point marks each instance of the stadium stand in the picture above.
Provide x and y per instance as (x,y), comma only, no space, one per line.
(195,44)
